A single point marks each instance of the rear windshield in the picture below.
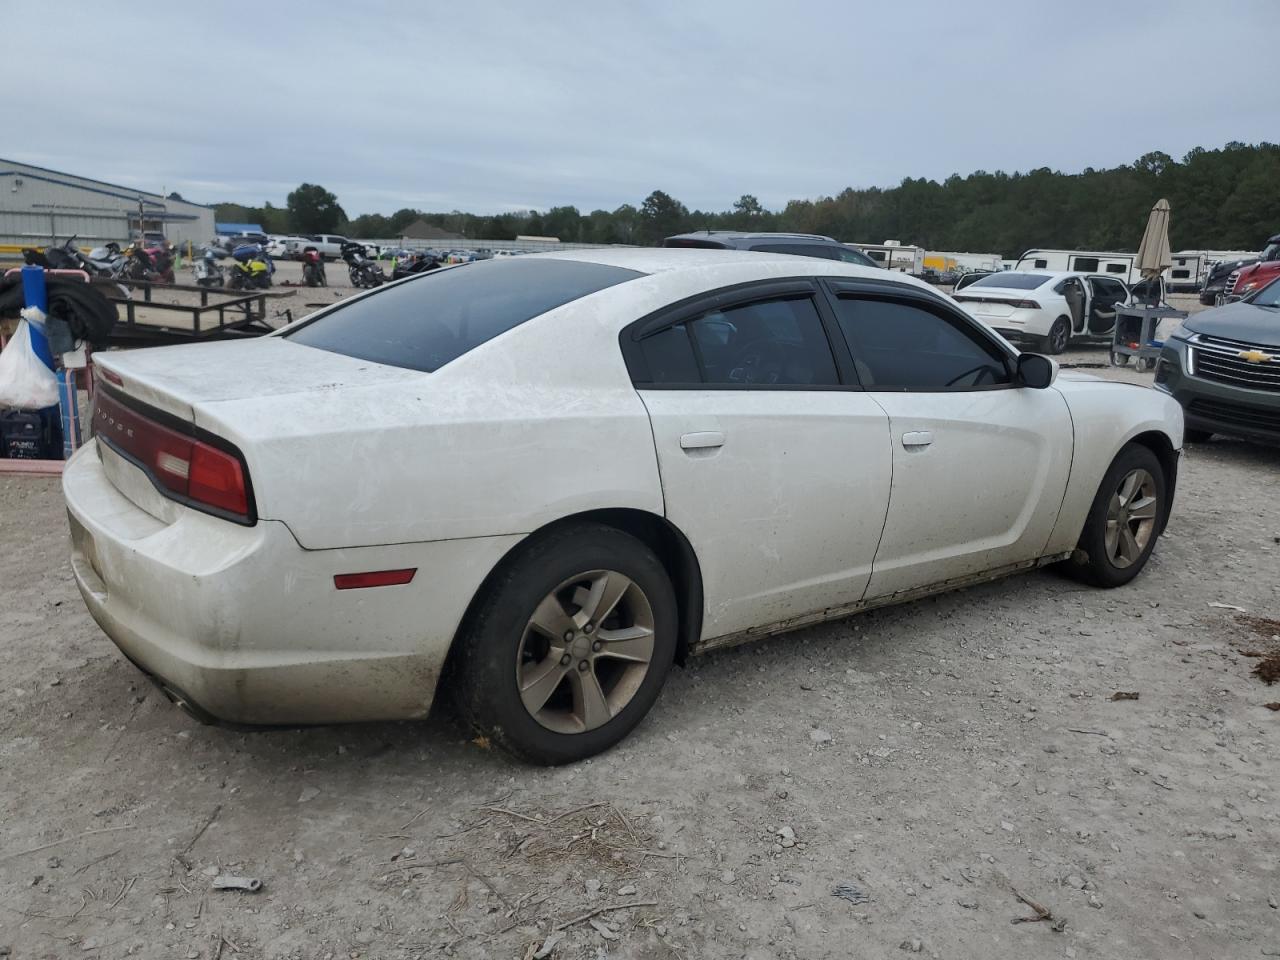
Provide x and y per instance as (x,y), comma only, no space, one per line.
(1012,281)
(423,323)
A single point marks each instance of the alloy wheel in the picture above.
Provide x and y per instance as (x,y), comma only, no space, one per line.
(585,651)
(1059,335)
(1131,518)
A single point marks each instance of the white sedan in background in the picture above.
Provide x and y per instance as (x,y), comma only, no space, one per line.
(537,482)
(1047,309)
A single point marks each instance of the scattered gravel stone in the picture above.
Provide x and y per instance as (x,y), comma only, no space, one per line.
(728,877)
(820,736)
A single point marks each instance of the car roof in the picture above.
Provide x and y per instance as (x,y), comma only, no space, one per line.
(672,260)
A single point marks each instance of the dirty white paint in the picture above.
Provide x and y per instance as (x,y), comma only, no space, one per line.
(357,466)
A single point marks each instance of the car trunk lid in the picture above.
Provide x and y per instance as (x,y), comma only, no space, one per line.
(155,416)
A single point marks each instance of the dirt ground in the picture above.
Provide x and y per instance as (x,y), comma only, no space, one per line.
(875,787)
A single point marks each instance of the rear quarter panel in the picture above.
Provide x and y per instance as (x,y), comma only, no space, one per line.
(1105,416)
(537,424)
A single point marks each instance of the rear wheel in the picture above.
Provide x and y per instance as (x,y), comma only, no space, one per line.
(569,646)
(1124,520)
(1056,342)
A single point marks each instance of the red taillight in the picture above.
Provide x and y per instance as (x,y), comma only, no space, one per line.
(186,468)
(375,578)
(216,478)
(1027,305)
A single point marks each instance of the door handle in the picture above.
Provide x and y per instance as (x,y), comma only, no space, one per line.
(917,438)
(705,440)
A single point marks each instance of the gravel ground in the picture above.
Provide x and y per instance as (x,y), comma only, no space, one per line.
(923,761)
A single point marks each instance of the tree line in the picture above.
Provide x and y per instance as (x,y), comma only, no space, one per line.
(1227,198)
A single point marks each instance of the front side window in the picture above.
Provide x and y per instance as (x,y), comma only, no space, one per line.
(898,345)
(1086,264)
(777,342)
(1041,264)
(423,323)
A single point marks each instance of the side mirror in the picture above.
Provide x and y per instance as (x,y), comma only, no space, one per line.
(1035,371)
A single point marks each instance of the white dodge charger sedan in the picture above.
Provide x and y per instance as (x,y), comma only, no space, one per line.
(538,482)
(1047,309)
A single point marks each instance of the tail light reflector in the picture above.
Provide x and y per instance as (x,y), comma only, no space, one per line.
(375,578)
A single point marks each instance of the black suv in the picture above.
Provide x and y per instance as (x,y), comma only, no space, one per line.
(796,244)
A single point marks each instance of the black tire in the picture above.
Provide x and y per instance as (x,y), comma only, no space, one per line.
(1096,566)
(1197,436)
(1059,335)
(1119,359)
(487,648)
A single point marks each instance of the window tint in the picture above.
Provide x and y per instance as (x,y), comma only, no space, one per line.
(898,345)
(1117,268)
(818,250)
(425,322)
(1086,264)
(669,356)
(1009,280)
(766,343)
(850,255)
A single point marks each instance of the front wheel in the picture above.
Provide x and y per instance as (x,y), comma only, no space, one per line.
(1124,520)
(1056,342)
(569,646)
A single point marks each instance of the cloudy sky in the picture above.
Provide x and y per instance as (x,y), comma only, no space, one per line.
(501,105)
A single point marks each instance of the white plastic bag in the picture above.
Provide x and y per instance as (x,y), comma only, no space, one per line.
(25,382)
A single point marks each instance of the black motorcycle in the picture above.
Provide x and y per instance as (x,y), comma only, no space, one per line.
(364,273)
(413,265)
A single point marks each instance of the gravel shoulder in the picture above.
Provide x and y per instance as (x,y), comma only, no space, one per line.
(926,760)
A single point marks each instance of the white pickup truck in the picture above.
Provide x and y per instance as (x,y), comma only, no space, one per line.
(329,245)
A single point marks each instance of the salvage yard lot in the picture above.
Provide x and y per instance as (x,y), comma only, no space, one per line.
(927,759)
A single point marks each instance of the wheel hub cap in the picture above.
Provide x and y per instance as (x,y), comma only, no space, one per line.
(1131,518)
(585,651)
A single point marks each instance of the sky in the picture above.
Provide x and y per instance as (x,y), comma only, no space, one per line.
(496,106)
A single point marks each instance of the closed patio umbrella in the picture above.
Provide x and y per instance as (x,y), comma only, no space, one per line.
(1153,252)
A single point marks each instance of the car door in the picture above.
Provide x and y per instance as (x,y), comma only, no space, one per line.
(1105,294)
(979,464)
(773,463)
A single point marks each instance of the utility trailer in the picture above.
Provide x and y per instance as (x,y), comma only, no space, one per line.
(219,315)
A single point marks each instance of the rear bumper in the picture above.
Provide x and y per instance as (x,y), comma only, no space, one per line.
(1216,407)
(247,627)
(1020,324)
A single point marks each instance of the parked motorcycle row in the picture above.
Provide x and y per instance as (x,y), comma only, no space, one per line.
(153,264)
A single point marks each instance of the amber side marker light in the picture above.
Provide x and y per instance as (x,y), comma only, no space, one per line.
(374,578)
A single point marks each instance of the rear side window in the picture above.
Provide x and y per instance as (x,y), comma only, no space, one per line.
(423,323)
(1086,264)
(767,343)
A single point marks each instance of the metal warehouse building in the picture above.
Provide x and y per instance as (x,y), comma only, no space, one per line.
(39,206)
